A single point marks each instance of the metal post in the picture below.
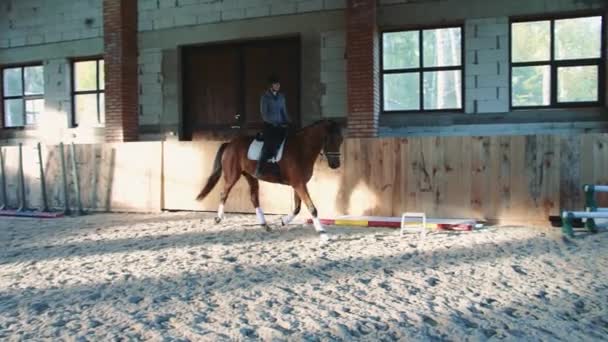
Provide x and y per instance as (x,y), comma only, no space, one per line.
(66,198)
(76,180)
(3,179)
(22,204)
(45,206)
(567,219)
(590,197)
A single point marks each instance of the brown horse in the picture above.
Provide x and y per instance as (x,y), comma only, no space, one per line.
(296,167)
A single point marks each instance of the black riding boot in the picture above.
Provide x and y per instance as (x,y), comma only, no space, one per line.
(258,168)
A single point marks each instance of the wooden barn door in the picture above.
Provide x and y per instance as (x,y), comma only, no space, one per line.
(223,81)
(280,57)
(211,94)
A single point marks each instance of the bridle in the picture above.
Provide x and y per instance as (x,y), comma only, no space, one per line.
(329,155)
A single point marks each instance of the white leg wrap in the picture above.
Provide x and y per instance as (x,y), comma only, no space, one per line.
(318,227)
(285,220)
(220,211)
(260,214)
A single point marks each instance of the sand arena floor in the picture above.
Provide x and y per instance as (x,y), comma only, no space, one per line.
(179,277)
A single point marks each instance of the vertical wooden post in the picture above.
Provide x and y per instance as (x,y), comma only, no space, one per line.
(22,204)
(45,206)
(76,179)
(66,196)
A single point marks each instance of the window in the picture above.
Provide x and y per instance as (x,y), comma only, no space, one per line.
(88,97)
(22,95)
(556,62)
(422,70)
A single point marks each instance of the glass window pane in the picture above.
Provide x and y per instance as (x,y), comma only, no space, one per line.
(13,113)
(400,50)
(531,86)
(85,75)
(578,38)
(12,82)
(102,75)
(577,84)
(86,109)
(33,109)
(102,108)
(34,80)
(442,90)
(402,91)
(441,47)
(531,41)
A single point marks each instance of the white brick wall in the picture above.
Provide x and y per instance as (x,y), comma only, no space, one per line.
(32,22)
(150,86)
(486,71)
(333,73)
(161,14)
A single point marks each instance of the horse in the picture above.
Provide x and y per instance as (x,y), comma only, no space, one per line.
(300,151)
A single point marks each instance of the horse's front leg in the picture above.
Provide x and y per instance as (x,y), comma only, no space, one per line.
(254,190)
(302,191)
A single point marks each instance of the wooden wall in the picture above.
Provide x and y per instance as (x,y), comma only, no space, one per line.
(511,179)
(125,177)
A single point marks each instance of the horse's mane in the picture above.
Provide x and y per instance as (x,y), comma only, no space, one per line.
(333,125)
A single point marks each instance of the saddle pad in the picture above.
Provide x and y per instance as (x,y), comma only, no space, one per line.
(256,147)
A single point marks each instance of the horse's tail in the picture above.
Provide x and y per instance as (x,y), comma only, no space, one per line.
(215,175)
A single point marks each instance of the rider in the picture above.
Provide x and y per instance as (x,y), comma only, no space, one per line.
(276,121)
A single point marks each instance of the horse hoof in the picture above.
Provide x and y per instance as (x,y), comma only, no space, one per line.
(323,238)
(267,227)
(218,219)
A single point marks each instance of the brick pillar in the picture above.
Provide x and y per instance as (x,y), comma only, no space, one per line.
(362,67)
(120,46)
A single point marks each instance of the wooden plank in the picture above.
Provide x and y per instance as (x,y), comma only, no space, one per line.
(11,165)
(503,205)
(519,198)
(570,195)
(551,166)
(600,165)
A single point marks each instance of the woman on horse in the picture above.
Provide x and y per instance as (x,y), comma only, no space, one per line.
(276,121)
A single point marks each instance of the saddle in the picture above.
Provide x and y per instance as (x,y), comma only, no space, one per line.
(255,148)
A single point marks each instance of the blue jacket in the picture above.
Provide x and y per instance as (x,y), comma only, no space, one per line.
(273,108)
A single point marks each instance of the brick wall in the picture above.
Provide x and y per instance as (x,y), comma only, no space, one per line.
(487,65)
(162,14)
(32,22)
(120,41)
(362,68)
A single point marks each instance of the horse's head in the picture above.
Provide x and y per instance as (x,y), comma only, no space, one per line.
(332,144)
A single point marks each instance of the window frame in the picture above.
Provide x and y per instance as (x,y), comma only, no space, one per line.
(421,69)
(24,97)
(555,64)
(74,92)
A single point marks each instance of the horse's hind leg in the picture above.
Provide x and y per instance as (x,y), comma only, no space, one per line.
(298,204)
(254,190)
(229,182)
(302,191)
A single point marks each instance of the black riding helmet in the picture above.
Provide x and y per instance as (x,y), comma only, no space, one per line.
(273,79)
